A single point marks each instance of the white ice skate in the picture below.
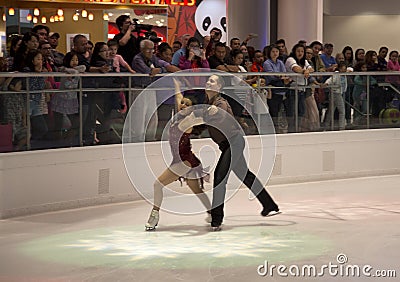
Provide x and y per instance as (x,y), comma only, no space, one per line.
(208,219)
(153,220)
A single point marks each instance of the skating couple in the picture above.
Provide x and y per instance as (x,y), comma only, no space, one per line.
(224,131)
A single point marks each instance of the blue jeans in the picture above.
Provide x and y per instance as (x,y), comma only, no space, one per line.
(290,108)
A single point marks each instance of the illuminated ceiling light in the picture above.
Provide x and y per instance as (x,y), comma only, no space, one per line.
(90,17)
(44,20)
(61,18)
(11,11)
(105,17)
(160,24)
(51,19)
(56,18)
(110,14)
(36,12)
(29,17)
(84,13)
(35,20)
(150,16)
(60,12)
(162,20)
(75,17)
(128,14)
(141,21)
(4,17)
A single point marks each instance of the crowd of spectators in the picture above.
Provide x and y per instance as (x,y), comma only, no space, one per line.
(55,116)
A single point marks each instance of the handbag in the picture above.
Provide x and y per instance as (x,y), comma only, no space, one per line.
(6,131)
(320,96)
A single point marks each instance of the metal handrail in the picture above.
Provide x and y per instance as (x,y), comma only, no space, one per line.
(184,73)
(131,86)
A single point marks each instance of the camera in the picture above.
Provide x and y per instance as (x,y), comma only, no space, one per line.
(144,31)
(197,51)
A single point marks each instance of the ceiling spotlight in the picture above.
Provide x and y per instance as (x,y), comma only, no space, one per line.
(90,17)
(36,12)
(60,12)
(61,18)
(84,13)
(51,19)
(35,20)
(4,17)
(56,18)
(75,17)
(11,11)
(105,17)
(29,17)
(44,20)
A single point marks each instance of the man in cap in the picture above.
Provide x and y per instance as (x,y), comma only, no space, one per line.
(58,56)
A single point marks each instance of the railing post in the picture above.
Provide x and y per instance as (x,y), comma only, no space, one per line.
(130,95)
(296,107)
(80,112)
(331,109)
(368,98)
(28,116)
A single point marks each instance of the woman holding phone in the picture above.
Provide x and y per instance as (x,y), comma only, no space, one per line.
(195,59)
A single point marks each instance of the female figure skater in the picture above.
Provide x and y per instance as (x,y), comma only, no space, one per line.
(184,164)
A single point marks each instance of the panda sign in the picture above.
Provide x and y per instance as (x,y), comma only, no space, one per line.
(210,14)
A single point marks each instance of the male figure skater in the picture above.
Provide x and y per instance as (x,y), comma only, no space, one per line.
(225,131)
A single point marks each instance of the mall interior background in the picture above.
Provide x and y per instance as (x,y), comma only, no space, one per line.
(360,23)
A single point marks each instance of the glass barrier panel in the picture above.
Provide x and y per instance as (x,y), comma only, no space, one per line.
(58,110)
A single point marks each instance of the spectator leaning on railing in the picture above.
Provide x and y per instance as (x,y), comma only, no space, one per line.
(145,115)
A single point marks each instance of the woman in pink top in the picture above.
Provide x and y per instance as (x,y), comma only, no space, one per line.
(393,65)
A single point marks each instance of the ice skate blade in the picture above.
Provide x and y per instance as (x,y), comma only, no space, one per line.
(272,213)
(149,228)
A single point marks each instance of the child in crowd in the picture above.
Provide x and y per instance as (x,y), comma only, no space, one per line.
(38,99)
(66,103)
(360,90)
(13,108)
(339,86)
(393,65)
(118,61)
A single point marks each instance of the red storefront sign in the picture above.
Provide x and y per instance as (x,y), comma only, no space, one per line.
(148,2)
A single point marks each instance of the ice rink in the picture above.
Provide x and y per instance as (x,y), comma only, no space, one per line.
(328,231)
